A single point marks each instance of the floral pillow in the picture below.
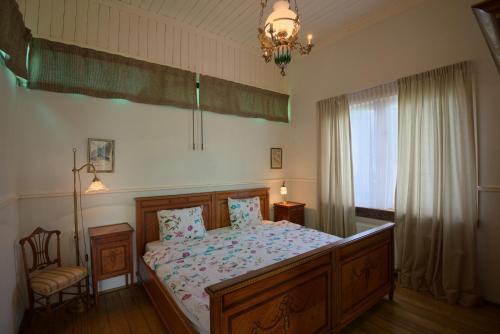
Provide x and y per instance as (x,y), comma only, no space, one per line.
(244,212)
(181,224)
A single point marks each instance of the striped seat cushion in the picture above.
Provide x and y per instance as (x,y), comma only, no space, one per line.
(51,280)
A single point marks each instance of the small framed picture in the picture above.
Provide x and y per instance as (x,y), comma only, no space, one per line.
(101,154)
(276,158)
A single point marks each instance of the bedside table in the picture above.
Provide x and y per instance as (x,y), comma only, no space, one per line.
(291,211)
(111,251)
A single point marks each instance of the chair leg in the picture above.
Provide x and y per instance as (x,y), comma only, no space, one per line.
(31,309)
(47,304)
(87,291)
(79,287)
(48,307)
(31,299)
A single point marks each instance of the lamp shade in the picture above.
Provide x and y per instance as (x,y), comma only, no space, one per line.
(283,190)
(96,186)
(282,20)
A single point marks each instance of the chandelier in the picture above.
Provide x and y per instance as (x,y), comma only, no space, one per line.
(279,36)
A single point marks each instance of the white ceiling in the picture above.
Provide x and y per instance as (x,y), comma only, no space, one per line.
(238,19)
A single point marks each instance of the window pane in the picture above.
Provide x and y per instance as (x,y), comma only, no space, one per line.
(374,146)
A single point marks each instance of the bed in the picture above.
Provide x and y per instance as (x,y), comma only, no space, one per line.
(319,289)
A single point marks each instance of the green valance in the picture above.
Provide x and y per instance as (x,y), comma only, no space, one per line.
(70,69)
(14,37)
(227,97)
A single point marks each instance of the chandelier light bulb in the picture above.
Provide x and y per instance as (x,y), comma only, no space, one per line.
(282,21)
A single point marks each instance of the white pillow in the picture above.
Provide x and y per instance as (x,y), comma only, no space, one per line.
(244,212)
(181,224)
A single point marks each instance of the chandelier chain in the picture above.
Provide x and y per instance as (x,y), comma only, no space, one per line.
(263,4)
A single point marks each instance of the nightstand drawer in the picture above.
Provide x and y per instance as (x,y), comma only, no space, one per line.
(280,214)
(297,216)
(113,257)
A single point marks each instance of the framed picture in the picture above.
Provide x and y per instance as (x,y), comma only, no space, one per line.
(276,158)
(101,154)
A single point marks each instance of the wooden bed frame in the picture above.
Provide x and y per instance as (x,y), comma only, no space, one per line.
(317,292)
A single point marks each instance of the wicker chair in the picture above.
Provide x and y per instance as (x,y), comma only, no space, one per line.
(46,277)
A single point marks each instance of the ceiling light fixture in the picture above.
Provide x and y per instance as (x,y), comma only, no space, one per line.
(279,36)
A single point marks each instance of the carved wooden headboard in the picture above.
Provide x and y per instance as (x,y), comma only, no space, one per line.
(215,210)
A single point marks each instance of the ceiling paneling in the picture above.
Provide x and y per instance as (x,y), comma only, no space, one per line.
(238,19)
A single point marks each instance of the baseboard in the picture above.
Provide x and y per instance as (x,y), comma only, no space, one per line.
(122,287)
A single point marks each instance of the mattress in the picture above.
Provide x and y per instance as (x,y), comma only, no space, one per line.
(187,268)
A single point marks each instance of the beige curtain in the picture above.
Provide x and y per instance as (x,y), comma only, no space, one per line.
(227,97)
(14,37)
(435,196)
(336,189)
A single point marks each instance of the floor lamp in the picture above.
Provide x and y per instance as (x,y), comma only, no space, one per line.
(95,187)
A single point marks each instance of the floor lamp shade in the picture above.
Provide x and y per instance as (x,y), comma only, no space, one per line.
(96,186)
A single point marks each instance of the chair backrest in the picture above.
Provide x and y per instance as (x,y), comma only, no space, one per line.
(39,243)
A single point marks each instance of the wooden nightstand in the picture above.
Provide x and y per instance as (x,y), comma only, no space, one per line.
(111,251)
(291,211)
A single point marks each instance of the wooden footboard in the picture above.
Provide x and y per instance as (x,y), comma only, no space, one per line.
(317,292)
(363,266)
(292,296)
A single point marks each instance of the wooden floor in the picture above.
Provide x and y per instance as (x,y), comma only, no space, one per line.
(121,312)
(129,311)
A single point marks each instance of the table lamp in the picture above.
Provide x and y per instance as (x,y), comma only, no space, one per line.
(283,191)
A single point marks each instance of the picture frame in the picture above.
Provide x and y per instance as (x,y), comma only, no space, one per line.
(101,154)
(276,158)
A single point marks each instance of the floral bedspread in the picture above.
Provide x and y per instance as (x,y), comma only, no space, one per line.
(188,267)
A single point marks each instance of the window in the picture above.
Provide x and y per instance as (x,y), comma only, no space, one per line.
(374,132)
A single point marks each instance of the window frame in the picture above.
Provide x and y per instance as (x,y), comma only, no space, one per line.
(378,214)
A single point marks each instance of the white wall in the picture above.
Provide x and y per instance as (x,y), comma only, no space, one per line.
(434,34)
(153,156)
(10,304)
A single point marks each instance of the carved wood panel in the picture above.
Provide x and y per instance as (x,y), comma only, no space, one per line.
(303,309)
(363,275)
(112,259)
